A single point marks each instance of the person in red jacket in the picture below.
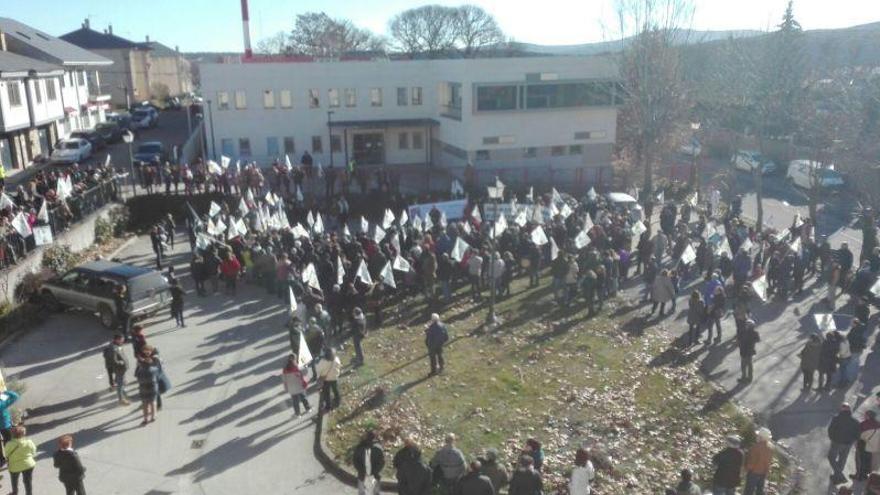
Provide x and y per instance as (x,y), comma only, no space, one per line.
(230,267)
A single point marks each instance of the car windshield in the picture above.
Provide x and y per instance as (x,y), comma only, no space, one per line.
(149,148)
(71,145)
(828,173)
(141,286)
(139,114)
(105,126)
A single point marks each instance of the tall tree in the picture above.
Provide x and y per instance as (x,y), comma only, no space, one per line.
(437,30)
(277,44)
(319,35)
(476,30)
(656,104)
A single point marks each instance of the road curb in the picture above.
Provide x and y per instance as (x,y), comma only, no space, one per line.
(333,466)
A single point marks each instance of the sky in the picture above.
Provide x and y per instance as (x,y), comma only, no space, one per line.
(215,25)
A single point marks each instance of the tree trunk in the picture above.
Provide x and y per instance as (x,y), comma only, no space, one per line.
(759,190)
(648,192)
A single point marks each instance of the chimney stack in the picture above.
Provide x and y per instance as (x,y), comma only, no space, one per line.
(85,23)
(148,38)
(110,28)
(245,20)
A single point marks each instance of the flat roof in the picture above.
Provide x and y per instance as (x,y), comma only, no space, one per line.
(380,123)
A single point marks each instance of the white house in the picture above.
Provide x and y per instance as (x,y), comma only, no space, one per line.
(529,119)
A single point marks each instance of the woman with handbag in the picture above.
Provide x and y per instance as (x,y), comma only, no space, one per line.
(295,384)
(147,374)
(163,384)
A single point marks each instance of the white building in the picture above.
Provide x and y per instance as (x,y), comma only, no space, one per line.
(530,119)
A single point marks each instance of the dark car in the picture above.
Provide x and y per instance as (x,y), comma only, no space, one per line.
(173,103)
(110,131)
(150,151)
(122,119)
(92,137)
(92,287)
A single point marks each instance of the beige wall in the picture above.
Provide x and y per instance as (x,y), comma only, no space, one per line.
(140,62)
(173,72)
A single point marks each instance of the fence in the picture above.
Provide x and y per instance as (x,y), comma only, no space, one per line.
(14,247)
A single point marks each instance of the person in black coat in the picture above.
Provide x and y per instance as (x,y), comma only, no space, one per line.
(525,480)
(474,483)
(70,469)
(728,467)
(843,431)
(746,339)
(369,446)
(436,336)
(414,477)
(177,293)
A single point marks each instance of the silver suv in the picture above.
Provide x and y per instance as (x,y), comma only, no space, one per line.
(91,287)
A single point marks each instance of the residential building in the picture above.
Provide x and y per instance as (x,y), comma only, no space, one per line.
(550,119)
(49,88)
(169,71)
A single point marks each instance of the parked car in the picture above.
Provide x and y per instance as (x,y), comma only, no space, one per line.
(92,136)
(801,173)
(71,151)
(149,151)
(173,103)
(145,117)
(749,161)
(122,119)
(91,287)
(625,204)
(109,131)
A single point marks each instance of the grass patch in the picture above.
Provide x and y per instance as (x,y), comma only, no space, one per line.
(545,372)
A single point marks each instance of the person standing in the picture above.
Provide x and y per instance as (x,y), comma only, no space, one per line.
(198,272)
(70,469)
(686,485)
(662,291)
(810,358)
(868,452)
(230,267)
(413,476)
(123,317)
(147,374)
(7,399)
(451,463)
(169,227)
(728,468)
(295,384)
(525,480)
(157,242)
(757,463)
(116,364)
(358,332)
(496,472)
(746,340)
(582,475)
(177,293)
(20,452)
(368,460)
(695,317)
(843,432)
(475,274)
(474,482)
(328,372)
(436,336)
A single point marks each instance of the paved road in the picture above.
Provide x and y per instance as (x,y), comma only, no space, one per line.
(226,395)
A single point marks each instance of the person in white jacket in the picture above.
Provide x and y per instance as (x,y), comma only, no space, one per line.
(582,475)
(328,369)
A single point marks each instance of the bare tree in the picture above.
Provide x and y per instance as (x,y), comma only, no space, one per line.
(277,44)
(475,30)
(319,35)
(428,30)
(656,104)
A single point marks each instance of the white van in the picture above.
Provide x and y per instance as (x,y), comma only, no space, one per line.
(747,161)
(800,172)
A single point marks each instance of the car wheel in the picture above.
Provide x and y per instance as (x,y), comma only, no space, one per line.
(51,302)
(107,317)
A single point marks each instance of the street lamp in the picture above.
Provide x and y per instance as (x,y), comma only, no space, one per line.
(496,194)
(330,134)
(128,137)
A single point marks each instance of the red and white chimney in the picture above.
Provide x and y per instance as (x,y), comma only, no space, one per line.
(245,20)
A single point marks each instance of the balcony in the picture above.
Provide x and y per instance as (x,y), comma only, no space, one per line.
(99,93)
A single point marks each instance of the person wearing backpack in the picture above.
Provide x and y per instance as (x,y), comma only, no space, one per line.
(117,365)
(436,337)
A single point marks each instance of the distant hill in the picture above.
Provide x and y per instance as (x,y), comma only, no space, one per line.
(687,36)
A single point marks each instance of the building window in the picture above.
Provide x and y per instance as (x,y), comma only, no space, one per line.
(403,141)
(222,100)
(530,152)
(51,94)
(557,151)
(244,147)
(335,143)
(483,155)
(286,101)
(375,97)
(227,148)
(13,90)
(576,149)
(268,99)
(417,95)
(350,97)
(314,98)
(316,145)
(38,95)
(418,140)
(401,97)
(584,135)
(81,78)
(450,100)
(333,98)
(240,100)
(289,148)
(566,95)
(272,147)
(490,98)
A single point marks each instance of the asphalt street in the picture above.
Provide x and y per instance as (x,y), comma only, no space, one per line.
(227,426)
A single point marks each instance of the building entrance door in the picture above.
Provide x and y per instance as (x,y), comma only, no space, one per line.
(369,149)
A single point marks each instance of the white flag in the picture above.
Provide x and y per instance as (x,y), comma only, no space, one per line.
(213,168)
(318,228)
(220,228)
(582,240)
(345,231)
(6,201)
(661,198)
(287,163)
(299,194)
(20,224)
(305,355)
(554,196)
(270,198)
(429,224)
(553,210)
(588,223)
(388,220)
(310,219)
(466,227)
(403,218)
(249,196)
(364,274)
(443,219)
(688,256)
(225,161)
(746,245)
(475,215)
(202,241)
(798,221)
(520,218)
(310,277)
(214,210)
(796,246)
(539,237)
(565,211)
(395,242)
(243,207)
(500,226)
(388,276)
(724,247)
(457,188)
(417,223)
(43,214)
(825,322)
(299,231)
(237,167)
(378,234)
(591,194)
(554,250)
(340,271)
(320,170)
(459,249)
(365,225)
(531,195)
(638,228)
(400,264)
(43,235)
(760,287)
(537,214)
(293,305)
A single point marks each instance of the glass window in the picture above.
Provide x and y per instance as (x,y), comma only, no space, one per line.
(376,97)
(562,95)
(496,98)
(227,148)
(557,150)
(335,143)
(13,90)
(417,95)
(222,100)
(350,97)
(483,155)
(333,98)
(244,147)
(38,94)
(268,99)
(289,148)
(316,145)
(418,140)
(403,141)
(576,149)
(450,100)
(272,147)
(51,94)
(401,97)
(530,152)
(286,101)
(314,98)
(240,99)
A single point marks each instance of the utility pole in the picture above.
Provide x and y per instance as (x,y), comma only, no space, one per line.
(128,137)
(330,133)
(496,197)
(211,123)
